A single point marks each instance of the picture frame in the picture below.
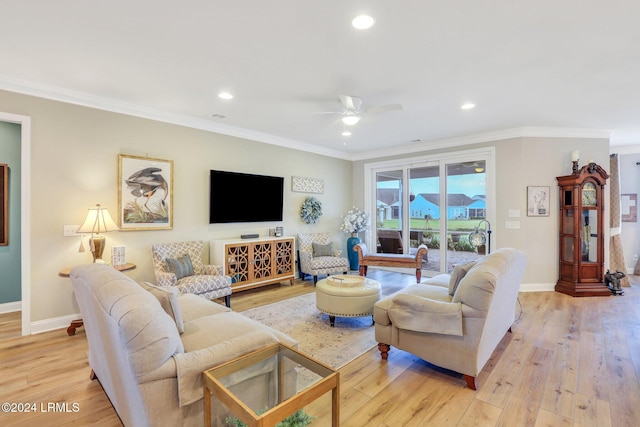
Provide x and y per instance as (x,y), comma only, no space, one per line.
(145,193)
(538,201)
(301,184)
(629,204)
(4,204)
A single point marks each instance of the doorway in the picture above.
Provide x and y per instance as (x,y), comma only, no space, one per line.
(25,246)
(435,201)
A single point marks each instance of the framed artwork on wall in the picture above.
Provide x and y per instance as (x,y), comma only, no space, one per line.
(4,204)
(307,185)
(145,193)
(538,201)
(629,204)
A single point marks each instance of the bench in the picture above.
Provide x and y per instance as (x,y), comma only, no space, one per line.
(365,259)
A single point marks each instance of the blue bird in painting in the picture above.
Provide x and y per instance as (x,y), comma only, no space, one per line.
(146,182)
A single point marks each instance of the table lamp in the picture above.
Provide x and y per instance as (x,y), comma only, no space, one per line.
(97,221)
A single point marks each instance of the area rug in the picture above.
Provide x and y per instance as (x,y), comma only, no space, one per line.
(299,318)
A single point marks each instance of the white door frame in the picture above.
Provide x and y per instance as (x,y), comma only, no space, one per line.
(25,209)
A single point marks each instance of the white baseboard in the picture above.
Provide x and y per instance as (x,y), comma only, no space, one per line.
(537,287)
(10,307)
(46,325)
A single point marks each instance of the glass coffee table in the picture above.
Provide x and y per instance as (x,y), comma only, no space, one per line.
(266,386)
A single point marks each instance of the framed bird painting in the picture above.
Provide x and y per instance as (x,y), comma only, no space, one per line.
(145,193)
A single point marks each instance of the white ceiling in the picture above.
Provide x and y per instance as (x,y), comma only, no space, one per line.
(570,64)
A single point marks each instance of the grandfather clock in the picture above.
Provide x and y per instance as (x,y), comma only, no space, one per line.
(581,232)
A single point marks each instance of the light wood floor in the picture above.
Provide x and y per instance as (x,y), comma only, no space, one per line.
(569,362)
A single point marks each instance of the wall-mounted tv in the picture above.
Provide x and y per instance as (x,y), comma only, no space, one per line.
(242,197)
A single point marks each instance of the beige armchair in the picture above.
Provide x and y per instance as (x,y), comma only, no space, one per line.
(180,265)
(317,255)
(454,321)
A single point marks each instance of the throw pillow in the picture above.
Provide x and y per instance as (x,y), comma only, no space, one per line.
(181,267)
(322,250)
(458,273)
(168,297)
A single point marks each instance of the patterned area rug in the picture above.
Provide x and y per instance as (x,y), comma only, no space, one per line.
(299,318)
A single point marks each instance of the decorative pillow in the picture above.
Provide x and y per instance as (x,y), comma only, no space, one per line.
(181,267)
(322,250)
(168,297)
(458,273)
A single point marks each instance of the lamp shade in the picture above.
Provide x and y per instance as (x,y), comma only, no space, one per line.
(98,221)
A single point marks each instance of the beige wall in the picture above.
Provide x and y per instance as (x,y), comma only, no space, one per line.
(522,162)
(74,165)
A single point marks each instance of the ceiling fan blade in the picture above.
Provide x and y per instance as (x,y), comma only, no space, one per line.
(382,108)
(350,103)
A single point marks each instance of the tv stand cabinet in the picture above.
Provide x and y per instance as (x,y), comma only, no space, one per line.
(252,263)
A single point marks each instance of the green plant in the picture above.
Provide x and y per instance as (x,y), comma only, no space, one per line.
(297,419)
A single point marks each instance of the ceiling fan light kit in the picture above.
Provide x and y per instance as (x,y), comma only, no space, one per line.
(350,119)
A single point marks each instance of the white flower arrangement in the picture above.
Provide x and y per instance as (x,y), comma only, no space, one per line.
(355,221)
(311,210)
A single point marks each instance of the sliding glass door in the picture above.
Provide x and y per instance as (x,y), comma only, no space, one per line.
(435,202)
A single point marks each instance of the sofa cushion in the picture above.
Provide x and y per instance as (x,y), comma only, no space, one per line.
(414,313)
(194,306)
(458,273)
(382,307)
(207,331)
(477,286)
(168,297)
(181,267)
(322,250)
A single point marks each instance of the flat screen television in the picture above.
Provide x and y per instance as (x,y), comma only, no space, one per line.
(242,197)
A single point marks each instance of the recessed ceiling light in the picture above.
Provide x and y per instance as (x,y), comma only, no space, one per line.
(218,116)
(468,106)
(346,133)
(416,140)
(362,22)
(225,95)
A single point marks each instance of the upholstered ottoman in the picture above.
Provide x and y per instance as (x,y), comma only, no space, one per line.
(346,296)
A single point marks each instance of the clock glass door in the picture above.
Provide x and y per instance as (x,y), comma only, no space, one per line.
(589,235)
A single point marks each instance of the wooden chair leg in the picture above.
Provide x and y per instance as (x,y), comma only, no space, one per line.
(418,275)
(93,375)
(384,350)
(472,382)
(315,280)
(227,300)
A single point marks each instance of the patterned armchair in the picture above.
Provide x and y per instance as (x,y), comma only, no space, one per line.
(180,265)
(317,255)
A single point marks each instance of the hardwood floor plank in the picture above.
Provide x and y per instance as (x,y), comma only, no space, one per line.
(591,411)
(523,404)
(549,419)
(560,390)
(480,413)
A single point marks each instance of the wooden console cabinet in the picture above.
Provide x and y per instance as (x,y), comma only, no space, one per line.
(252,263)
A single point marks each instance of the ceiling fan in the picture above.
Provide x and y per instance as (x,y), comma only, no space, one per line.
(352,109)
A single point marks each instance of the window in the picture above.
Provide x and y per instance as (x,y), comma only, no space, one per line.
(434,200)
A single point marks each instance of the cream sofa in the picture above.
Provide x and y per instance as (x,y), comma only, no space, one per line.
(454,321)
(148,345)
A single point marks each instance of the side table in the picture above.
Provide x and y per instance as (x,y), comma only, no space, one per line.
(284,395)
(66,272)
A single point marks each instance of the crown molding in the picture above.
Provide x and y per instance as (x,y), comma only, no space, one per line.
(115,106)
(520,132)
(86,100)
(625,149)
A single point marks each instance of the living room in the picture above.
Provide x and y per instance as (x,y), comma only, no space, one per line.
(69,154)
